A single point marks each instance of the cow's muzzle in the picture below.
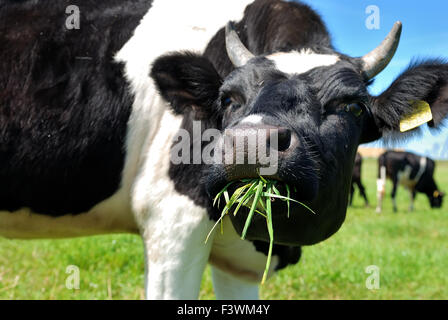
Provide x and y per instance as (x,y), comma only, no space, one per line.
(253,151)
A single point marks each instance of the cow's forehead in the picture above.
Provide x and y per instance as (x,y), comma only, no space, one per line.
(338,80)
(298,62)
(341,80)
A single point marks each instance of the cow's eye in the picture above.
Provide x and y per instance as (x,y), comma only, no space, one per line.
(229,103)
(355,108)
(226,101)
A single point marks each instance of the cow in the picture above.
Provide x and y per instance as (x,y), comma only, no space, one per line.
(90,117)
(414,172)
(356,179)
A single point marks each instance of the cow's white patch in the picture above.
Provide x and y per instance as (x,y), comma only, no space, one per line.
(229,287)
(296,62)
(170,25)
(253,119)
(381,188)
(421,169)
(238,257)
(404,177)
(173,228)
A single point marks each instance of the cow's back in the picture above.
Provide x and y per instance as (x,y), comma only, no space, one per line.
(64,103)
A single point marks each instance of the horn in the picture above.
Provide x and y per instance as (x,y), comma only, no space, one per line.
(375,61)
(237,52)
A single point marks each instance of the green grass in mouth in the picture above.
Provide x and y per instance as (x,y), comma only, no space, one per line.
(256,195)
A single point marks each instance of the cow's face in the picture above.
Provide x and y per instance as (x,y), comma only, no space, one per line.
(312,118)
(436,199)
(318,117)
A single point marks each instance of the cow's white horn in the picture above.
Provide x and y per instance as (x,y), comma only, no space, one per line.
(375,61)
(237,52)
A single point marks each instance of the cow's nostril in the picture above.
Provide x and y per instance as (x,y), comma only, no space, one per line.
(284,139)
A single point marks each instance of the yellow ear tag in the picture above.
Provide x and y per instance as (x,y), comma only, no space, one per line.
(422,114)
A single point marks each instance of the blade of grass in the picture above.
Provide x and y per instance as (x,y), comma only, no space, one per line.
(226,196)
(276,190)
(225,210)
(221,192)
(261,204)
(234,198)
(245,198)
(288,195)
(271,237)
(214,226)
(252,209)
(272,195)
(263,179)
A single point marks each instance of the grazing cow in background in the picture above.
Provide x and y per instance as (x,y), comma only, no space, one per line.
(356,179)
(89,119)
(413,172)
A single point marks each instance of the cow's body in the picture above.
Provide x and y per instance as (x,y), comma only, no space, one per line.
(86,135)
(64,119)
(356,179)
(415,173)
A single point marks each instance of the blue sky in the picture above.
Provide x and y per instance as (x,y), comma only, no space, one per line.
(425,34)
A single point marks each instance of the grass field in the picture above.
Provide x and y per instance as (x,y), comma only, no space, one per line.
(409,249)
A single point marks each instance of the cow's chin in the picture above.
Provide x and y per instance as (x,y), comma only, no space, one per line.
(300,227)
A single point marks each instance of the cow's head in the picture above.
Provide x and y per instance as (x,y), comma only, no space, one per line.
(319,108)
(436,199)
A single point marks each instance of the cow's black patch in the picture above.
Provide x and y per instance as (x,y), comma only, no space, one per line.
(287,255)
(64,103)
(270,26)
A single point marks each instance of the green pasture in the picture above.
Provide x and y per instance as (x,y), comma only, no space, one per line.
(409,251)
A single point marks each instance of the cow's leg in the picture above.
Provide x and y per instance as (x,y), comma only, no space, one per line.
(238,265)
(380,188)
(362,190)
(379,198)
(412,193)
(352,191)
(228,287)
(175,251)
(394,193)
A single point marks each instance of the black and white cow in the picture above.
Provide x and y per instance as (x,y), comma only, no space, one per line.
(89,116)
(413,172)
(356,179)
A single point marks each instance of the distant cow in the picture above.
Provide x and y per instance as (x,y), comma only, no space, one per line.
(91,119)
(356,179)
(413,172)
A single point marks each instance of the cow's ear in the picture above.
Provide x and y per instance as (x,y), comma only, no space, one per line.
(188,82)
(403,103)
